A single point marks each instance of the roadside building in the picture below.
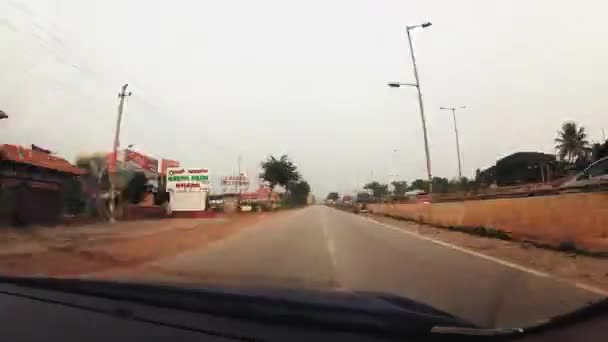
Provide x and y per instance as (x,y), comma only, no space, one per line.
(33,184)
(521,168)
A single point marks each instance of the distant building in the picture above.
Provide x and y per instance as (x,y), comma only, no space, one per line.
(33,184)
(521,168)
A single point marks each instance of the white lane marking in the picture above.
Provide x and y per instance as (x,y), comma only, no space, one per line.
(330,243)
(592,289)
(582,286)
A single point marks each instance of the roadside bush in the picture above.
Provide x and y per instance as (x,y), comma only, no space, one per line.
(484,231)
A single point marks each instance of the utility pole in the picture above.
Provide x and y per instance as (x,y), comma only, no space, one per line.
(121,102)
(453,109)
(420,103)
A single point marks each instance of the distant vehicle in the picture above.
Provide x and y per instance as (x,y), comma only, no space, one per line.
(246,207)
(594,174)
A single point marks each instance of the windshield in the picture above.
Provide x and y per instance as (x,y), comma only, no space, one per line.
(423,149)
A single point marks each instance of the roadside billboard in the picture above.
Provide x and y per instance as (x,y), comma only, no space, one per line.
(167,163)
(242,180)
(138,160)
(133,160)
(188,188)
(235,184)
(179,179)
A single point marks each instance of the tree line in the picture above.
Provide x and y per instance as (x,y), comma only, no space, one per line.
(573,150)
(573,147)
(398,189)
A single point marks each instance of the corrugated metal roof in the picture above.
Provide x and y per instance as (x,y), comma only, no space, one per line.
(37,158)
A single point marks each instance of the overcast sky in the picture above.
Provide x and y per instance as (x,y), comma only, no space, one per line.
(215,79)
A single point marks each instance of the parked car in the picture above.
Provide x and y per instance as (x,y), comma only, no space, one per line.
(246,207)
(594,174)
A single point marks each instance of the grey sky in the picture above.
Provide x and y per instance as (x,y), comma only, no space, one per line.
(212,79)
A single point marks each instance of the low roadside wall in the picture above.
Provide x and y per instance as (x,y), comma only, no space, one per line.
(560,220)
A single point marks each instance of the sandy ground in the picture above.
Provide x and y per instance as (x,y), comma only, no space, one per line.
(591,271)
(76,250)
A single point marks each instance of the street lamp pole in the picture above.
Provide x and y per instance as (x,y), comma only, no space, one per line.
(420,102)
(453,109)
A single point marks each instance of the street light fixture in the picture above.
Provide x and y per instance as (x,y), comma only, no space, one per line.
(453,109)
(3,115)
(417,86)
(397,85)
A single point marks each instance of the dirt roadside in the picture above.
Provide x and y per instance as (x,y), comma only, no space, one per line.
(70,251)
(575,268)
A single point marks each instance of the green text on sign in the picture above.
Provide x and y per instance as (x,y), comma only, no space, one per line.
(200,178)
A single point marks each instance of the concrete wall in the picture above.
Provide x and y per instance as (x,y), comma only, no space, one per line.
(581,218)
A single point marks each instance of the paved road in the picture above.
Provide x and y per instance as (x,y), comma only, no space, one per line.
(323,247)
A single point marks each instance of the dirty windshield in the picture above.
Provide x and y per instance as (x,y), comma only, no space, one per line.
(448,152)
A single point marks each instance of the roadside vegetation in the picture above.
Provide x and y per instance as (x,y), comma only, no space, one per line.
(284,173)
(573,150)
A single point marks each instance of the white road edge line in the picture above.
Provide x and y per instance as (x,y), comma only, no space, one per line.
(582,286)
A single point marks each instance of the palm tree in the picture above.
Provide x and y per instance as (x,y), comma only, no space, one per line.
(571,142)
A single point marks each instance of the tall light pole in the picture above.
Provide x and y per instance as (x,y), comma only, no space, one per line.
(417,86)
(121,102)
(453,109)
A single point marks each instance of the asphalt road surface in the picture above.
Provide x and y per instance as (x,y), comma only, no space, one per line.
(321,247)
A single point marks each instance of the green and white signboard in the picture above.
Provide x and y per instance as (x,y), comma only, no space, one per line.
(187,188)
(183,179)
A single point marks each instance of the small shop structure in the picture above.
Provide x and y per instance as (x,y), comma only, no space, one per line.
(33,185)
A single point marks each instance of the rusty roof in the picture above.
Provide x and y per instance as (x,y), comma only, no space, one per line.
(20,154)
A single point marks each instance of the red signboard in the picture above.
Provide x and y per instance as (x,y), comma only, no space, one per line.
(187,185)
(262,194)
(198,170)
(233,180)
(142,161)
(167,163)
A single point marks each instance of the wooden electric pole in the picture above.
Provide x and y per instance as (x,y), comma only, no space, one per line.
(112,174)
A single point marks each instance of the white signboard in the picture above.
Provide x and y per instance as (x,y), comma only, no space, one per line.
(187,188)
(180,179)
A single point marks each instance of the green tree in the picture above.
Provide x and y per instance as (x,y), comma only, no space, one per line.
(74,196)
(280,171)
(399,188)
(599,151)
(378,190)
(440,185)
(459,185)
(136,188)
(465,184)
(333,196)
(420,184)
(298,192)
(571,142)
